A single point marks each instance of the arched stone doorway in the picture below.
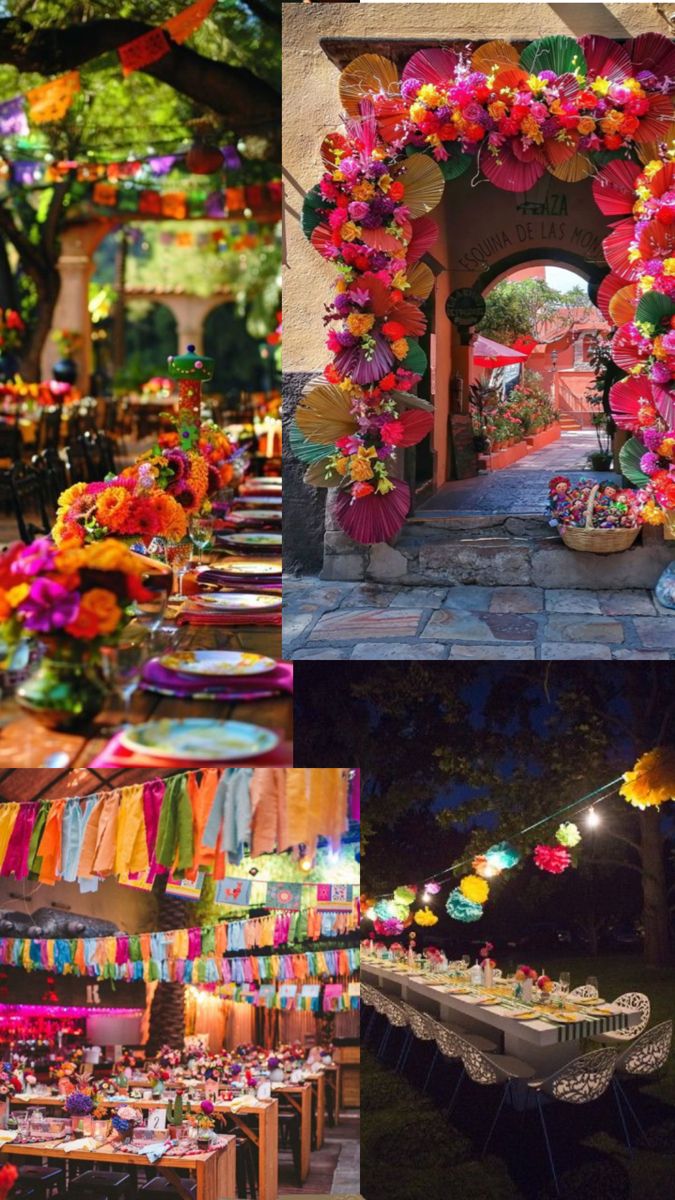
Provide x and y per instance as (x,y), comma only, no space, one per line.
(238,365)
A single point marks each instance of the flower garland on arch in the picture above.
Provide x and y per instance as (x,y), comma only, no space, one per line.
(556,107)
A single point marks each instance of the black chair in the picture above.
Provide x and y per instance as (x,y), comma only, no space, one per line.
(49,429)
(160,1187)
(28,499)
(102,1183)
(246,1168)
(11,444)
(99,454)
(289,1139)
(74,427)
(52,469)
(45,1181)
(76,463)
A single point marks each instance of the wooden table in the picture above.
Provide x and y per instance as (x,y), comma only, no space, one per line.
(26,743)
(318,1086)
(332,1074)
(259,1122)
(214,1170)
(299,1096)
(545,1045)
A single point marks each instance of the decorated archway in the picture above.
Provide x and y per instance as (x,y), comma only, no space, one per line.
(560,109)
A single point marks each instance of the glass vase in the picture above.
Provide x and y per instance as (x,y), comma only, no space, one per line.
(65,691)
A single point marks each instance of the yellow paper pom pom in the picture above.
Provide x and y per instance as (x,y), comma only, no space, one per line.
(652,780)
(475,889)
(424,916)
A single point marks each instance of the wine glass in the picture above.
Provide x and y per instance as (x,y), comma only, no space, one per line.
(178,557)
(201,534)
(149,611)
(122,664)
(592,982)
(564,981)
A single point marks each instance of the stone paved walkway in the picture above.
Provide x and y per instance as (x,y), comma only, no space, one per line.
(520,489)
(362,621)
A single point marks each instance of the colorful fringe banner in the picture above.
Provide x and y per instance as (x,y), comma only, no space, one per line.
(336,998)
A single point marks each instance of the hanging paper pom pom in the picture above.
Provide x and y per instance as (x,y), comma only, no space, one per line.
(652,780)
(553,859)
(568,834)
(482,867)
(502,855)
(462,909)
(398,910)
(432,888)
(405,895)
(474,889)
(389,928)
(425,917)
(382,909)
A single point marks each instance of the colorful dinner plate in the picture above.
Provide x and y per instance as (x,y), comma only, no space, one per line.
(252,539)
(257,502)
(217,662)
(243,566)
(524,1016)
(255,514)
(199,739)
(238,601)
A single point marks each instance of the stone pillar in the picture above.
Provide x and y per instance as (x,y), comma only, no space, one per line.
(78,243)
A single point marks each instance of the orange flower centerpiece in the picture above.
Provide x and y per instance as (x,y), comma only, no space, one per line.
(74,599)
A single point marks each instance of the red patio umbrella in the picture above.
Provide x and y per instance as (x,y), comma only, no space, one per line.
(487,353)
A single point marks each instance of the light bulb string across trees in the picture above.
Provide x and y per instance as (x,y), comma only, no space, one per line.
(648,785)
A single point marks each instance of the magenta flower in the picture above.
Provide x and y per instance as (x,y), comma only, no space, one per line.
(37,557)
(49,606)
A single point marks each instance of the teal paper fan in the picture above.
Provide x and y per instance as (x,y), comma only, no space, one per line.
(310,216)
(456,164)
(306,451)
(629,459)
(654,309)
(415,360)
(556,53)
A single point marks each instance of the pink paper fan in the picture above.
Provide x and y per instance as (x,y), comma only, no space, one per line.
(431,66)
(567,85)
(380,296)
(614,188)
(510,173)
(379,239)
(417,426)
(665,404)
(662,181)
(656,240)
(605,58)
(610,285)
(625,399)
(322,240)
(615,248)
(424,236)
(410,317)
(375,518)
(654,53)
(362,370)
(624,351)
(390,113)
(655,124)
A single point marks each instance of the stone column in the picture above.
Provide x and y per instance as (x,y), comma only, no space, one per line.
(78,243)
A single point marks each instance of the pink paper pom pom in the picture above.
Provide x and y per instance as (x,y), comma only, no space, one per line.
(554,859)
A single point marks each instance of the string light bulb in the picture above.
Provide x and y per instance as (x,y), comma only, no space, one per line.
(306,864)
(593,818)
(370,913)
(425,897)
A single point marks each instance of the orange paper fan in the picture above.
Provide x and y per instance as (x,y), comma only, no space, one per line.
(623,304)
(655,124)
(421,280)
(366,75)
(494,54)
(607,289)
(322,240)
(571,170)
(380,239)
(324,413)
(410,317)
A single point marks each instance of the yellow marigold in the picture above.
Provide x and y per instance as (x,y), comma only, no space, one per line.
(360,468)
(364,190)
(669,266)
(429,94)
(173,521)
(63,530)
(611,121)
(399,348)
(658,349)
(341,465)
(71,494)
(417,113)
(360,323)
(600,86)
(112,508)
(652,780)
(667,448)
(652,514)
(474,888)
(350,231)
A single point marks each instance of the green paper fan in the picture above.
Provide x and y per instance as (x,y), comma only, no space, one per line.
(415,360)
(556,53)
(310,217)
(408,400)
(456,165)
(307,451)
(653,309)
(629,459)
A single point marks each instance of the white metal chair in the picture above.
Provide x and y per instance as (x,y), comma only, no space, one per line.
(631,1001)
(584,992)
(419,1027)
(644,1059)
(488,1070)
(579,1082)
(448,1038)
(394,1012)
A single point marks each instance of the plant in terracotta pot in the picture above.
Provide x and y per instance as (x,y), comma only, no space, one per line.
(74,600)
(176,1112)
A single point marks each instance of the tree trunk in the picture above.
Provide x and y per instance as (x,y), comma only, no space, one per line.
(167,1015)
(119,312)
(655,911)
(48,287)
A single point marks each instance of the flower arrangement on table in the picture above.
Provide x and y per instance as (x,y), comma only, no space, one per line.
(131,506)
(125,1120)
(551,108)
(80,1103)
(67,341)
(159,385)
(17,393)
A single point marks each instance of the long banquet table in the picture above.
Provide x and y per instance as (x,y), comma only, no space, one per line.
(214,1170)
(543,1043)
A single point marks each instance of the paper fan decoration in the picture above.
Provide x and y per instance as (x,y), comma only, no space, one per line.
(608,288)
(654,54)
(605,58)
(656,240)
(305,449)
(416,425)
(648,151)
(623,304)
(324,414)
(629,460)
(556,53)
(655,309)
(662,180)
(367,74)
(615,248)
(614,188)
(558,153)
(390,113)
(380,239)
(322,240)
(311,217)
(494,54)
(655,124)
(421,280)
(424,236)
(411,317)
(319,474)
(374,518)
(510,173)
(415,360)
(423,182)
(626,348)
(435,66)
(510,78)
(461,909)
(572,169)
(625,400)
(665,404)
(366,369)
(333,147)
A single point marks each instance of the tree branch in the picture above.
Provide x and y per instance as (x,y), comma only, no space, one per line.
(233,92)
(617,862)
(30,255)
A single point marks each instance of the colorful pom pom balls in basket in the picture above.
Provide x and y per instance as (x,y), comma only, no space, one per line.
(600,518)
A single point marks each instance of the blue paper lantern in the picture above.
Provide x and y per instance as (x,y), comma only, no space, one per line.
(502,855)
(461,909)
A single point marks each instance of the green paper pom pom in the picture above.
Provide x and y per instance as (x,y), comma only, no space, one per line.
(405,894)
(568,834)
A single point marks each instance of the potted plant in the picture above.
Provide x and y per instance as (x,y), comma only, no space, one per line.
(176,1111)
(67,341)
(79,1106)
(601,459)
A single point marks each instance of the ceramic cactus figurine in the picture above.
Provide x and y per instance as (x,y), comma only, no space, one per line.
(191,370)
(174,1111)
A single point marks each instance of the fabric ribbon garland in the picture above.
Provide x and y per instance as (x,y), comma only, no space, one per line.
(289,996)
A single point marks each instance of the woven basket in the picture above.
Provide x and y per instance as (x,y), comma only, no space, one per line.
(597,541)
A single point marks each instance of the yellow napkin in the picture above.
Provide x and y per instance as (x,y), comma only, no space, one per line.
(83,1143)
(8,1135)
